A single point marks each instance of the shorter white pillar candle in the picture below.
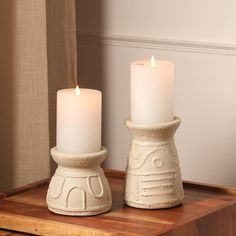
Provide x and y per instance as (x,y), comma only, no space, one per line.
(78,120)
(152,91)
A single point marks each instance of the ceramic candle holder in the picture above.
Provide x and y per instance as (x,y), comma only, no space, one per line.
(153,178)
(79,186)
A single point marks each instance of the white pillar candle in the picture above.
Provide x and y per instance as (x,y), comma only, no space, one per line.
(78,120)
(152,91)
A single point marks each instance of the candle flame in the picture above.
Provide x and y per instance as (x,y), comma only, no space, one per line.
(77,90)
(153,61)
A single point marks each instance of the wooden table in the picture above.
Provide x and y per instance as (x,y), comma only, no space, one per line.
(207,210)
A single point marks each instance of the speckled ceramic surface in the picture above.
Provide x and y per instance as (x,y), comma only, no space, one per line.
(79,186)
(153,177)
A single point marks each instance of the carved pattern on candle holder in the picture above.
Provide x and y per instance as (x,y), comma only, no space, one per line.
(91,188)
(153,177)
(82,199)
(78,196)
(59,188)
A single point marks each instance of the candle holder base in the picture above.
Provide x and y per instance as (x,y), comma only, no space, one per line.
(79,186)
(153,178)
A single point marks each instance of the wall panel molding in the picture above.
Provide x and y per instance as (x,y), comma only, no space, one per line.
(158,43)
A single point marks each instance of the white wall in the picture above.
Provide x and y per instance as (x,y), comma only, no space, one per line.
(199,37)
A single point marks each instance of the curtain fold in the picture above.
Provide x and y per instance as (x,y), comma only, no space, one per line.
(38,56)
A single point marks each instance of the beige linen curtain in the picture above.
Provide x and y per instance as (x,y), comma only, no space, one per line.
(37,57)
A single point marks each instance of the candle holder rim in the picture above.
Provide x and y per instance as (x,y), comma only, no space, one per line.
(85,160)
(175,121)
(103,151)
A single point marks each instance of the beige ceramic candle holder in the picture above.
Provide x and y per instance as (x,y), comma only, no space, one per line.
(79,186)
(153,178)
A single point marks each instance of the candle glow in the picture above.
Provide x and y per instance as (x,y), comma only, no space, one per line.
(153,61)
(77,90)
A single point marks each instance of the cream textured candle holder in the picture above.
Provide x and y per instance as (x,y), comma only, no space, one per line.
(79,186)
(153,178)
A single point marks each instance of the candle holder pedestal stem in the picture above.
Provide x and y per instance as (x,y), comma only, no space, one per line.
(79,186)
(153,178)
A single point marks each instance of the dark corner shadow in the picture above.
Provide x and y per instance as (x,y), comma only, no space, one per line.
(57,13)
(6,95)
(90,49)
(51,83)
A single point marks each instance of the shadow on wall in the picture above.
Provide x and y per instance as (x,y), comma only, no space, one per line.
(93,18)
(61,53)
(6,95)
(92,54)
(99,69)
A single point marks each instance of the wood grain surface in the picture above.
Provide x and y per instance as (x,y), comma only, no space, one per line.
(4,232)
(2,195)
(207,210)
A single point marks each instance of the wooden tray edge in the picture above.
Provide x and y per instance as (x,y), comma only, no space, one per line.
(210,187)
(2,196)
(26,188)
(119,174)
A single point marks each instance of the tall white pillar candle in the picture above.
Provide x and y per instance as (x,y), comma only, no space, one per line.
(152,91)
(78,121)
